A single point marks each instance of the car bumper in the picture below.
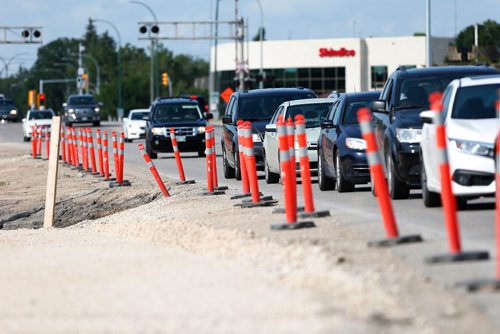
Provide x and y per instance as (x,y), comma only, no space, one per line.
(135,133)
(472,175)
(355,167)
(407,164)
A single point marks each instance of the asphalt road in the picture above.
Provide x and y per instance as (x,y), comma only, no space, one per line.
(360,209)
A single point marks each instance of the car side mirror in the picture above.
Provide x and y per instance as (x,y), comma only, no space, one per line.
(124,119)
(209,115)
(271,127)
(427,116)
(327,124)
(145,117)
(226,119)
(23,120)
(379,106)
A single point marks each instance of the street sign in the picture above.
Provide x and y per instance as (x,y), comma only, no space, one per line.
(226,94)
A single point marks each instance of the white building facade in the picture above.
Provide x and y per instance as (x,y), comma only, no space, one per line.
(324,65)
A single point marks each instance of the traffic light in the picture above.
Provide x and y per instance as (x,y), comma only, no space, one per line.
(41,100)
(164,79)
(85,77)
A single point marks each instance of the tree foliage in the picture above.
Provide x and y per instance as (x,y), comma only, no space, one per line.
(488,37)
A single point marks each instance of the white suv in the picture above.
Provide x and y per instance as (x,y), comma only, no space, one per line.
(471,127)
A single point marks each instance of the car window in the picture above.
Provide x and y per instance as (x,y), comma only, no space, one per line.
(136,116)
(386,92)
(338,112)
(41,115)
(332,110)
(313,113)
(446,100)
(177,112)
(262,108)
(352,107)
(276,114)
(475,102)
(81,100)
(229,106)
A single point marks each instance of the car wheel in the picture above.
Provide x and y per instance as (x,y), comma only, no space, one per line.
(324,182)
(237,169)
(270,176)
(228,170)
(430,198)
(397,189)
(342,184)
(150,152)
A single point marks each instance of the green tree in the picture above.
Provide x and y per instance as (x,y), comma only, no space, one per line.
(489,41)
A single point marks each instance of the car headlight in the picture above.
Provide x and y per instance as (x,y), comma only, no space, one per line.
(201,129)
(158,131)
(96,109)
(409,135)
(13,112)
(355,143)
(256,138)
(71,110)
(73,116)
(474,148)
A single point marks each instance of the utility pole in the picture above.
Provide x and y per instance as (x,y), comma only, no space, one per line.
(79,78)
(428,37)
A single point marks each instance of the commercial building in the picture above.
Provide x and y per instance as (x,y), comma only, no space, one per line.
(324,65)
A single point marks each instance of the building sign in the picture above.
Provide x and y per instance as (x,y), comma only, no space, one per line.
(342,52)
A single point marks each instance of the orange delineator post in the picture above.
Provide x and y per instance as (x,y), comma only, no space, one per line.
(286,172)
(99,152)
(178,160)
(69,147)
(47,142)
(63,145)
(211,131)
(33,141)
(121,156)
(245,184)
(75,148)
(39,142)
(208,145)
(153,170)
(250,162)
(91,151)
(105,154)
(290,131)
(115,156)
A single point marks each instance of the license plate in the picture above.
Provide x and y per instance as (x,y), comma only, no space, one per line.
(180,138)
(84,118)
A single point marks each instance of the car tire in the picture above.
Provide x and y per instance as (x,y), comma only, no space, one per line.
(228,170)
(237,169)
(343,185)
(26,138)
(396,188)
(430,198)
(150,152)
(324,182)
(270,176)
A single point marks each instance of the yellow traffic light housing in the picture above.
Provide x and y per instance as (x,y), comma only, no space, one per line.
(164,79)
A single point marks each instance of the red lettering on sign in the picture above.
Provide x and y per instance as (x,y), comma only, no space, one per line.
(342,52)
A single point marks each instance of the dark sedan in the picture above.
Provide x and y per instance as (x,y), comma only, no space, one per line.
(341,150)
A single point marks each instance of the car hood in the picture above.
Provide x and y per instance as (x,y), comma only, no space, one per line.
(155,123)
(259,127)
(477,130)
(352,131)
(409,118)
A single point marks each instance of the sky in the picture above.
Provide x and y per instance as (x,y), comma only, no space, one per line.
(283,19)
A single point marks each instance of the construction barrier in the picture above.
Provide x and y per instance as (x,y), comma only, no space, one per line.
(75,148)
(63,145)
(209,163)
(287,182)
(120,182)
(99,152)
(115,156)
(305,171)
(177,154)
(211,131)
(39,142)
(47,142)
(447,197)
(105,155)
(251,166)
(33,141)
(245,185)
(68,145)
(378,177)
(90,144)
(153,170)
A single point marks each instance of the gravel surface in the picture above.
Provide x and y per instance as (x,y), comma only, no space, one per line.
(130,261)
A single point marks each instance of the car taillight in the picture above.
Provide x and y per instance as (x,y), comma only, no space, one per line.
(206,107)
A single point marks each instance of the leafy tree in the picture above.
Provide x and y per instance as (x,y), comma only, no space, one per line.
(489,40)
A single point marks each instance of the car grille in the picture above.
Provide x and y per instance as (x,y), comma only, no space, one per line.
(84,112)
(183,131)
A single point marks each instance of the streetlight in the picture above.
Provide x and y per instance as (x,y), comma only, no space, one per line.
(7,63)
(97,70)
(119,109)
(261,38)
(152,79)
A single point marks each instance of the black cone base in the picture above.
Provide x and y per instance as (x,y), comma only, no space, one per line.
(315,214)
(261,198)
(292,226)
(248,204)
(185,182)
(125,183)
(241,196)
(459,257)
(213,193)
(221,188)
(395,241)
(282,210)
(481,285)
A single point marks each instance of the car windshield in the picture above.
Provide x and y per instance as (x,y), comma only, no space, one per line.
(41,114)
(138,116)
(177,112)
(414,93)
(350,116)
(81,100)
(262,108)
(476,102)
(6,103)
(313,113)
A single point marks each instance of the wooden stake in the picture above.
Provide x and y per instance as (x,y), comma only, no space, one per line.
(50,197)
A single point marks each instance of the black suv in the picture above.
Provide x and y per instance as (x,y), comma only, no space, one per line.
(257,106)
(185,116)
(398,125)
(8,110)
(82,109)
